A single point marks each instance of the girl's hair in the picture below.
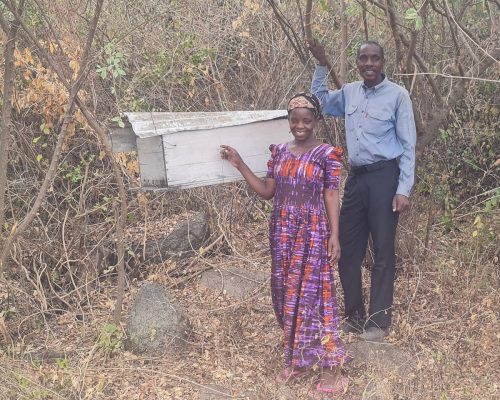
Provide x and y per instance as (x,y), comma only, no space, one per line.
(305,100)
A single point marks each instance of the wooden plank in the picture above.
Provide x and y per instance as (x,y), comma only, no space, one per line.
(146,124)
(151,162)
(123,139)
(192,158)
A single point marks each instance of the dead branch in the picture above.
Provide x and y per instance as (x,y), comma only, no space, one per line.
(4,24)
(400,37)
(289,32)
(413,42)
(68,116)
(455,41)
(344,41)
(310,39)
(106,142)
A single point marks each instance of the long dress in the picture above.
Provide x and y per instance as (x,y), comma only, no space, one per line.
(302,284)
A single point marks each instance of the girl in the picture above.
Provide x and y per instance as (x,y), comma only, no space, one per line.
(303,177)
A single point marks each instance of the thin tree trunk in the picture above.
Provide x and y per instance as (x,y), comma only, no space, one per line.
(5,122)
(103,135)
(68,116)
(365,21)
(343,36)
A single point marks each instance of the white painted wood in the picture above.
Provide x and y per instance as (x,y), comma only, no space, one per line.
(192,158)
(151,162)
(147,124)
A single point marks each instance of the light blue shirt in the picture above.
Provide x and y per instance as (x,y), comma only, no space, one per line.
(379,123)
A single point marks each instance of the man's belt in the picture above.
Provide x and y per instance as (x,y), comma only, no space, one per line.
(363,169)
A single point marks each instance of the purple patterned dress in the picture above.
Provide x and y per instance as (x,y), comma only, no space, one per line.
(302,284)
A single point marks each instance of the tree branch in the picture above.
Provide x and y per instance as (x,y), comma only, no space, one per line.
(4,23)
(51,172)
(106,142)
(290,33)
(5,122)
(309,38)
(406,43)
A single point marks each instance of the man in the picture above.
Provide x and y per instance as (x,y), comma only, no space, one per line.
(380,135)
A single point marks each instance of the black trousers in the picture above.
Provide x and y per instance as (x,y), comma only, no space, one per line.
(367,210)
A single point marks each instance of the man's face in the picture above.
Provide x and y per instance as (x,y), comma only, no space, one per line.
(370,63)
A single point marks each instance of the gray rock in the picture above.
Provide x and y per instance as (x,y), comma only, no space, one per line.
(156,323)
(235,282)
(184,241)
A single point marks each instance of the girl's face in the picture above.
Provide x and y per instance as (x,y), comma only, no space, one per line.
(302,122)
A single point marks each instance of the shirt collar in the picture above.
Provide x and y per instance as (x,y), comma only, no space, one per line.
(377,87)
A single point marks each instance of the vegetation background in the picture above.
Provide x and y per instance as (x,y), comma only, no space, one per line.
(71,68)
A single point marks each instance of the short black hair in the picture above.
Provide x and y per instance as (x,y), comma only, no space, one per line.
(371,42)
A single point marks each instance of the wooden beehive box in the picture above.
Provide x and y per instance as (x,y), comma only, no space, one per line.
(182,150)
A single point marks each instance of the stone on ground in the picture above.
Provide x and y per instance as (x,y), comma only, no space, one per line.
(185,240)
(156,323)
(235,282)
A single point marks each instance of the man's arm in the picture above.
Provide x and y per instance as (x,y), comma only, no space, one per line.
(332,100)
(407,136)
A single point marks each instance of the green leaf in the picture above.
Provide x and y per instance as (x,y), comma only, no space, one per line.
(102,71)
(39,157)
(35,140)
(419,23)
(130,253)
(411,14)
(110,328)
(62,363)
(118,120)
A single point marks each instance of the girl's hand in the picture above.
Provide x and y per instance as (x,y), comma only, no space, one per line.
(231,155)
(333,249)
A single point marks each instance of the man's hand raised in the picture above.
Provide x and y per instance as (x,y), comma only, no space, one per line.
(318,51)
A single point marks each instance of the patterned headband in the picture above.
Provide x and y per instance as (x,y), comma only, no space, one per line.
(305,100)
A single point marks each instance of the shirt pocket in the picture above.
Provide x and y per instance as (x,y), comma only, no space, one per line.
(379,123)
(350,116)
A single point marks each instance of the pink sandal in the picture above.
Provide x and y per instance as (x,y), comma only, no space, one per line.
(339,389)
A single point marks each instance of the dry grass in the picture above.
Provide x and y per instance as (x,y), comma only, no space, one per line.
(446,320)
